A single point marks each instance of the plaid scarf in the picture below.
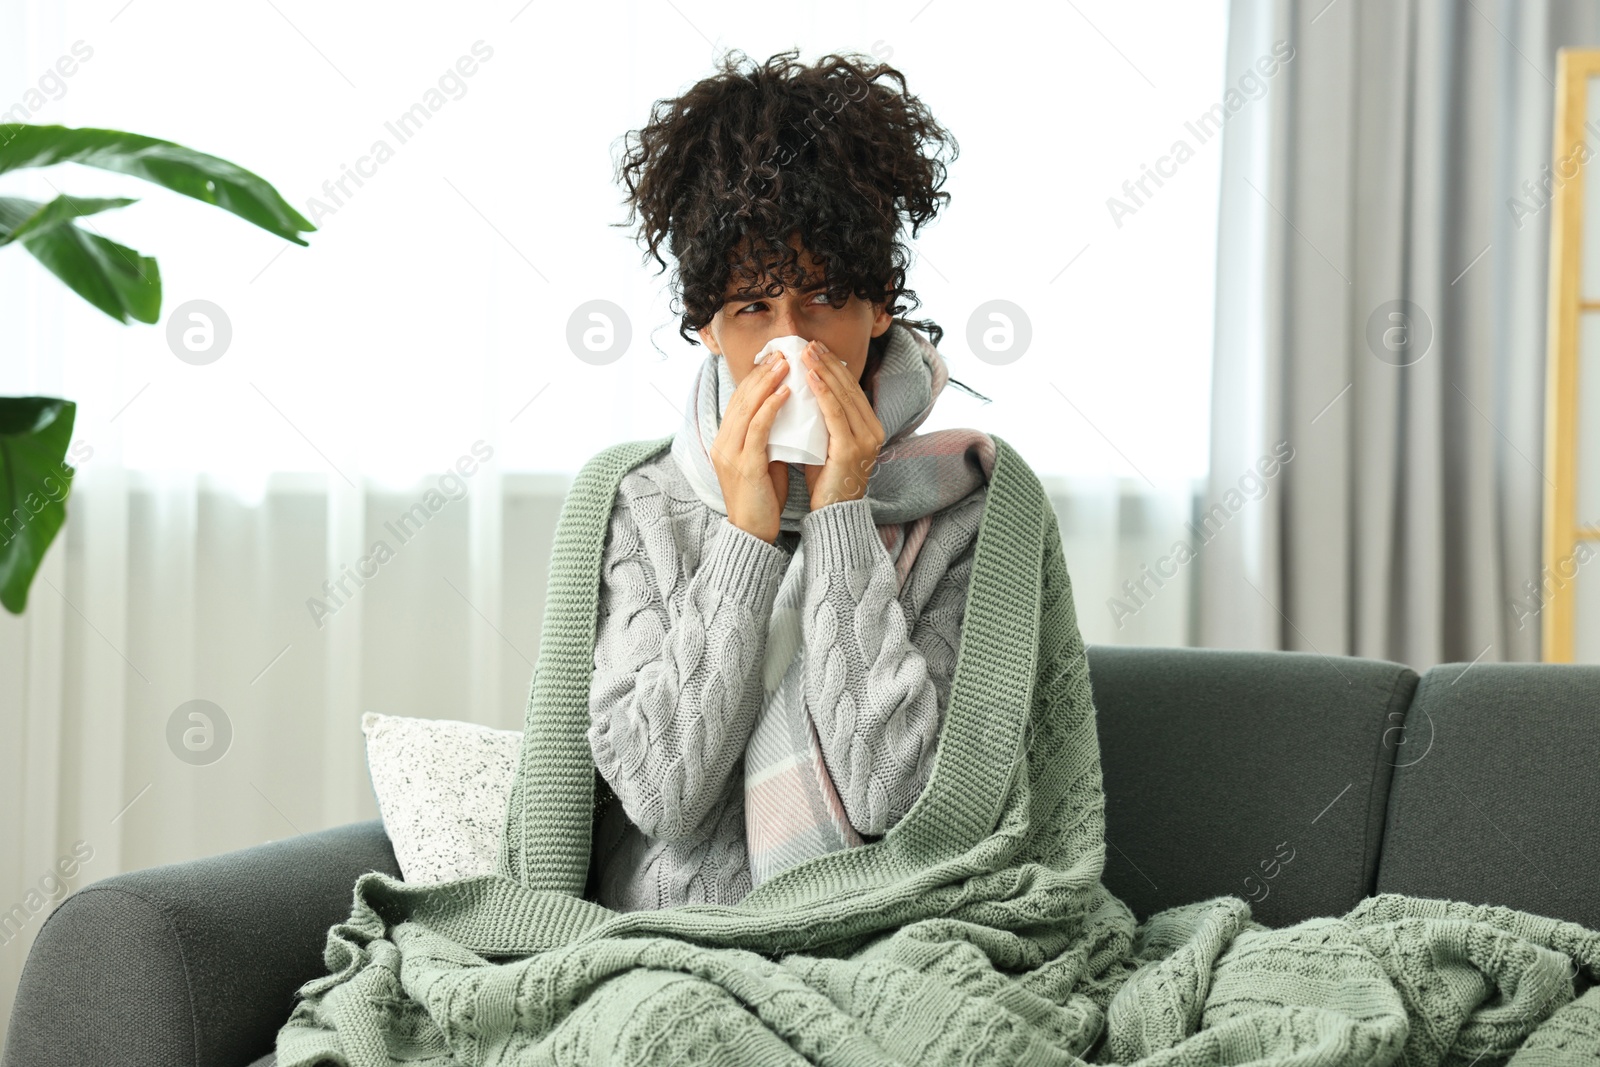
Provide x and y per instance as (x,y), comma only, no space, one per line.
(792,809)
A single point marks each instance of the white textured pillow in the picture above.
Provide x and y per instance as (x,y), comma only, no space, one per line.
(442,789)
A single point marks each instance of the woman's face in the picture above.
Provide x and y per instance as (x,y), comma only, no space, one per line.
(746,323)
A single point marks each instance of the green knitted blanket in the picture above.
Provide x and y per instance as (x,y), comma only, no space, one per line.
(976,931)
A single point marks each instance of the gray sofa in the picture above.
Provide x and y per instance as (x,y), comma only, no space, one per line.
(1299,782)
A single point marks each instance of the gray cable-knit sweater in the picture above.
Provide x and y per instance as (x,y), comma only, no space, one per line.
(685,600)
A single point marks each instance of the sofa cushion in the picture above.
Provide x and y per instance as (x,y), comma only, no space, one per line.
(442,787)
(1497,804)
(1261,775)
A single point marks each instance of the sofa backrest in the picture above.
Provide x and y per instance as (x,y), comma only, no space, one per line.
(1497,799)
(1264,775)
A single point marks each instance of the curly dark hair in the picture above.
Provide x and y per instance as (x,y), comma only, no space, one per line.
(747,158)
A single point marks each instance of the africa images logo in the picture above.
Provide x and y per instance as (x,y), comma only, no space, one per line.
(1251,85)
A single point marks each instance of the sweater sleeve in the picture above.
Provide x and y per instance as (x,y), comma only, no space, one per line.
(676,687)
(877,672)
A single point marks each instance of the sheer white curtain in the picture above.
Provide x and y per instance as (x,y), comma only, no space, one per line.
(419,346)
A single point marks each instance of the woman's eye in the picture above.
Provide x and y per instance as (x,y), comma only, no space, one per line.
(822,296)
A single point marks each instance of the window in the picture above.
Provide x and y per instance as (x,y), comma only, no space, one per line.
(464,217)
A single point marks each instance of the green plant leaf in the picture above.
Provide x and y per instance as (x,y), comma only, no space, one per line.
(112,277)
(204,177)
(34,482)
(47,216)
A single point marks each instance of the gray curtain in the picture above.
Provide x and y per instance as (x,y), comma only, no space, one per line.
(1381,313)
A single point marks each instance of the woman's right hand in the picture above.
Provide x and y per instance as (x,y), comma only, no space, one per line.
(754,489)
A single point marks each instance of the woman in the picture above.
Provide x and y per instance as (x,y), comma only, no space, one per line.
(775,641)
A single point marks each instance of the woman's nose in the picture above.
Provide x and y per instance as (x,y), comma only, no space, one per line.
(786,322)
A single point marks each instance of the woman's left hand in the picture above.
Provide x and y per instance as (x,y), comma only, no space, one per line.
(854,433)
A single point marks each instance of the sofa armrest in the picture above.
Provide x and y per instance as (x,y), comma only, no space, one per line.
(190,963)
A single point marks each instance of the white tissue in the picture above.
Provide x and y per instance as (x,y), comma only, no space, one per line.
(799,433)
